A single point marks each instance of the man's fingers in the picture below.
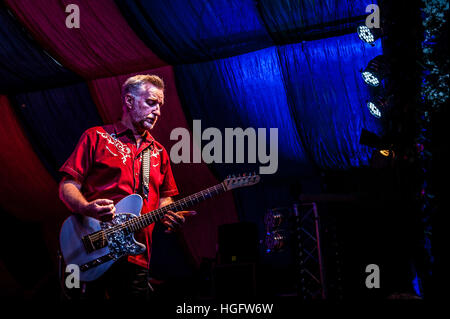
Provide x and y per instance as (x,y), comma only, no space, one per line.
(106,208)
(182,213)
(105,216)
(106,213)
(188,212)
(169,227)
(167,224)
(103,201)
(174,218)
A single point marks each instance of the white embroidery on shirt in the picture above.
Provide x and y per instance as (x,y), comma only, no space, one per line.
(111,151)
(155,153)
(122,148)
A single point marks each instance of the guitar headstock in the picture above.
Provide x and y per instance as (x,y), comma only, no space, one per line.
(232,182)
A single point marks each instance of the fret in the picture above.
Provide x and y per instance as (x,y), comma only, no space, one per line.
(177,206)
(133,224)
(161,212)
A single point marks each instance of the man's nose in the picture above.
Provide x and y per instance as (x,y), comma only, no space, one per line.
(157,110)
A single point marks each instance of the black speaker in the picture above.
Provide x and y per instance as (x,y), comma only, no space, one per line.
(238,243)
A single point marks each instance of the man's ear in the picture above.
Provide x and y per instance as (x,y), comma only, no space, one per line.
(129,100)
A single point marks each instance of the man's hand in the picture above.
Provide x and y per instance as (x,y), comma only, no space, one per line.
(101,209)
(70,194)
(173,221)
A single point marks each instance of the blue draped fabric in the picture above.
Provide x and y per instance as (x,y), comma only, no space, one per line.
(23,64)
(189,31)
(312,92)
(245,91)
(290,20)
(55,119)
(185,31)
(329,98)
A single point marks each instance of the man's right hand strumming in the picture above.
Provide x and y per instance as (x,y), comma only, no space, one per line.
(69,191)
(101,209)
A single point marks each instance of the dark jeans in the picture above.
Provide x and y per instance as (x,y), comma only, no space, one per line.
(123,280)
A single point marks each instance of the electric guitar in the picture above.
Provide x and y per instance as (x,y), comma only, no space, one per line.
(94,245)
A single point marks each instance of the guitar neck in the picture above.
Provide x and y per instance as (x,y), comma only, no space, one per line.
(182,204)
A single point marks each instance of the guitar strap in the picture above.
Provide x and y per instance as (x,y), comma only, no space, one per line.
(146,170)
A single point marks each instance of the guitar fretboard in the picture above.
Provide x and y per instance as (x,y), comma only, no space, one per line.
(182,204)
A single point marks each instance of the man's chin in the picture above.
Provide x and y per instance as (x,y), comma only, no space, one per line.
(146,126)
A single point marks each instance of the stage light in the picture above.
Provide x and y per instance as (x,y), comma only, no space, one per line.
(382,158)
(370,78)
(373,109)
(368,35)
(383,152)
(387,153)
(273,219)
(274,241)
(376,70)
(377,106)
(276,218)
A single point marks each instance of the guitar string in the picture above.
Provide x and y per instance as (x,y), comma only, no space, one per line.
(158,211)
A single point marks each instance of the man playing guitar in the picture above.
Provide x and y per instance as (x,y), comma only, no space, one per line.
(107,165)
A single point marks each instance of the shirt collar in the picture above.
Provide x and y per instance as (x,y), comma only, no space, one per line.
(148,137)
(120,129)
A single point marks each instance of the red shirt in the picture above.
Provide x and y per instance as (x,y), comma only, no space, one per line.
(108,165)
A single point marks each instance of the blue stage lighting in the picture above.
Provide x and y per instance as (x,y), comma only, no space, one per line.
(368,35)
(377,106)
(377,69)
(370,78)
(374,110)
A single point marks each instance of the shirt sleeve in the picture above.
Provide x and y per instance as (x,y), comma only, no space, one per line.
(80,161)
(168,186)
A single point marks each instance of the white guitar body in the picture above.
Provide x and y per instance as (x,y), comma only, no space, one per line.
(94,263)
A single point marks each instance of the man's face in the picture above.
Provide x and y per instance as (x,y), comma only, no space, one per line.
(146,107)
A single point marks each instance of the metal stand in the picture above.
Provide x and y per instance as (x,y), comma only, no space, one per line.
(311,281)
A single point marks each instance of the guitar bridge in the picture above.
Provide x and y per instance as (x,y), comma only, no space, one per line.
(94,241)
(96,262)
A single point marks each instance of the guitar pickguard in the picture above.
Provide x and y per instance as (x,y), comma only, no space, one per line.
(121,243)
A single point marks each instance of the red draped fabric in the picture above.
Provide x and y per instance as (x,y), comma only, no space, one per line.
(104,45)
(30,193)
(200,231)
